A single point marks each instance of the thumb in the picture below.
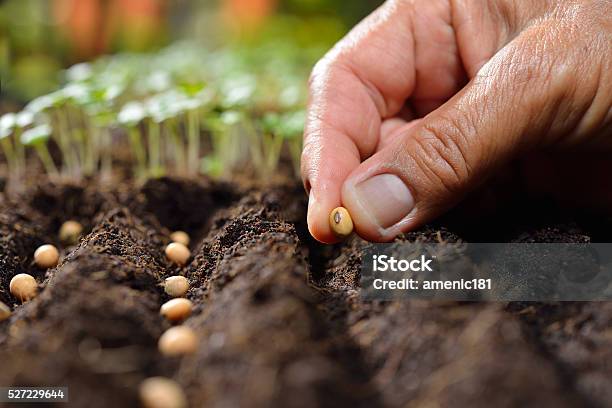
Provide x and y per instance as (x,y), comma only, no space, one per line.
(510,105)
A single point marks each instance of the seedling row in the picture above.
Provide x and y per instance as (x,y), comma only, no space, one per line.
(183,110)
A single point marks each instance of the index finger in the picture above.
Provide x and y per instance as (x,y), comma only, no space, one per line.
(366,77)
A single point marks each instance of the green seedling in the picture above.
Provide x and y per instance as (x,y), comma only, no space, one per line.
(130,117)
(11,126)
(7,126)
(159,108)
(292,129)
(37,137)
(23,120)
(102,115)
(280,130)
(244,99)
(193,134)
(175,125)
(226,130)
(52,104)
(196,96)
(77,95)
(101,120)
(272,142)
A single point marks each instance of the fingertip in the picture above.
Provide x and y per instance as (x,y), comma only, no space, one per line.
(318,216)
(325,167)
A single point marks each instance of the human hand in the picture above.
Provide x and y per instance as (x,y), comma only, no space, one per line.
(424,100)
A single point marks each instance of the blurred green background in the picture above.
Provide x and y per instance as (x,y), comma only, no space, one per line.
(38,38)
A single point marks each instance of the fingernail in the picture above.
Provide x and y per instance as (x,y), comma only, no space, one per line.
(386,198)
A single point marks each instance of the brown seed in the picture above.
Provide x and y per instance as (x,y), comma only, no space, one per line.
(340,222)
(70,231)
(23,287)
(177,341)
(176,286)
(5,312)
(178,253)
(181,237)
(161,392)
(177,309)
(46,256)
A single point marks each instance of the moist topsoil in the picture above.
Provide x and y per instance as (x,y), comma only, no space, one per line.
(279,316)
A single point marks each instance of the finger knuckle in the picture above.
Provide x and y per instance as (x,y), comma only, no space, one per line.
(331,64)
(440,153)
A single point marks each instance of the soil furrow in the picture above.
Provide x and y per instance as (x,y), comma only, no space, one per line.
(432,353)
(555,329)
(278,315)
(93,328)
(576,337)
(18,235)
(266,340)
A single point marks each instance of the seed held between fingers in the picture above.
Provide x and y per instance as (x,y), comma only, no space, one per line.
(178,340)
(340,222)
(161,392)
(178,253)
(5,312)
(176,286)
(181,237)
(177,309)
(23,287)
(46,256)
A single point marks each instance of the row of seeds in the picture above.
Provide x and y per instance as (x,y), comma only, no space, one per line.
(155,392)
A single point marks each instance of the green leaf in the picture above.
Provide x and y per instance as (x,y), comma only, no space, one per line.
(42,103)
(36,135)
(7,123)
(191,89)
(78,93)
(270,122)
(292,124)
(79,72)
(163,106)
(131,114)
(238,91)
(158,81)
(24,119)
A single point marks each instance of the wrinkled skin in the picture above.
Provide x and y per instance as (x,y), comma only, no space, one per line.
(444,94)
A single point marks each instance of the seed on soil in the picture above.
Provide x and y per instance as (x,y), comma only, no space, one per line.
(70,231)
(340,222)
(176,286)
(46,256)
(177,341)
(5,312)
(181,237)
(177,309)
(23,287)
(178,253)
(161,392)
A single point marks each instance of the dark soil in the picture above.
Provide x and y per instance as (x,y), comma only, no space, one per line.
(279,316)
